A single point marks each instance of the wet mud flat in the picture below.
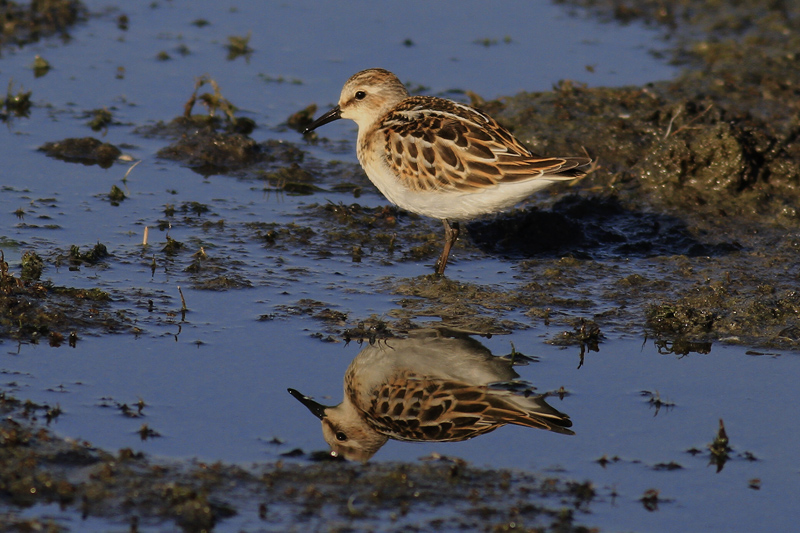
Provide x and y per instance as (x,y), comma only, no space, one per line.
(687,229)
(697,182)
(130,490)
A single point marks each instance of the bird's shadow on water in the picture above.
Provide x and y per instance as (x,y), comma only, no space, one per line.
(591,228)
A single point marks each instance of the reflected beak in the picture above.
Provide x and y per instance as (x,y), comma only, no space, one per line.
(317,409)
(330,116)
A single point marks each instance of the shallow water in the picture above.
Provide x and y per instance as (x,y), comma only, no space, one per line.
(214,382)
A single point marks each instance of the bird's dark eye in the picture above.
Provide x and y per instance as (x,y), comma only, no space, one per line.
(360,95)
(340,436)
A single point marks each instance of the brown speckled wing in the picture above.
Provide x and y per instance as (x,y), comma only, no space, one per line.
(436,144)
(541,415)
(419,409)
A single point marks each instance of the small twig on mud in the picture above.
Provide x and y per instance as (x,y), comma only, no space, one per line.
(594,166)
(671,121)
(187,108)
(685,126)
(125,177)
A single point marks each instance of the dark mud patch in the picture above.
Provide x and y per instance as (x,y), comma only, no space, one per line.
(382,234)
(675,298)
(34,311)
(211,269)
(209,147)
(372,233)
(661,148)
(219,143)
(739,297)
(214,273)
(457,304)
(86,150)
(129,489)
(210,152)
(723,310)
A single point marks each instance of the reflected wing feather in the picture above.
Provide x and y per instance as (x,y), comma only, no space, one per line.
(425,409)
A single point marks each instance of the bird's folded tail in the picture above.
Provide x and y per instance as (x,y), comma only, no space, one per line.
(573,167)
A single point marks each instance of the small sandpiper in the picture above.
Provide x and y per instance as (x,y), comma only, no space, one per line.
(440,158)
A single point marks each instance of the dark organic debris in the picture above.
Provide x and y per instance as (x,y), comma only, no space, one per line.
(605,460)
(651,499)
(86,150)
(680,346)
(216,105)
(92,257)
(32,266)
(239,46)
(146,432)
(172,247)
(719,448)
(31,310)
(27,23)
(100,119)
(17,104)
(668,467)
(585,334)
(209,152)
(203,144)
(195,208)
(222,283)
(300,120)
(654,399)
(116,195)
(40,66)
(371,330)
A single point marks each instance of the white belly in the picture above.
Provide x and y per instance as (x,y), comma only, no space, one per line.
(452,204)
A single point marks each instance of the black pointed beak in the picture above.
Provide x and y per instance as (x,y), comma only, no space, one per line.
(330,116)
(317,409)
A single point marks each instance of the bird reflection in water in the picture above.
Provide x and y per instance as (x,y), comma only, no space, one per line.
(437,385)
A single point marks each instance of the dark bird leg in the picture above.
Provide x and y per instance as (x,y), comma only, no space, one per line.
(450,235)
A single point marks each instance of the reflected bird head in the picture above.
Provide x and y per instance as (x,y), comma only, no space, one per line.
(345,430)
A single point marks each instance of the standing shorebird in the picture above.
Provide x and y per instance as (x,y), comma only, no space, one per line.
(438,385)
(440,158)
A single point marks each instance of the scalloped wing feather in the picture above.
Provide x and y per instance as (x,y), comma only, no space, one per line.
(436,144)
